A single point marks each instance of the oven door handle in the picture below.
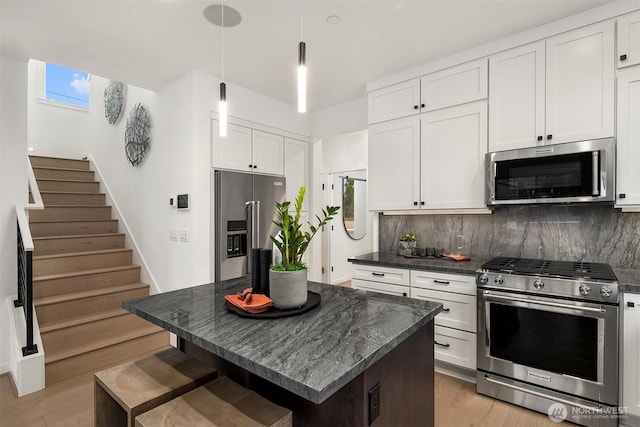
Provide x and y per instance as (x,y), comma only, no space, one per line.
(488,294)
(535,393)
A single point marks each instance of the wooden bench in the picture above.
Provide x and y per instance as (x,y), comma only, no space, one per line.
(127,390)
(219,403)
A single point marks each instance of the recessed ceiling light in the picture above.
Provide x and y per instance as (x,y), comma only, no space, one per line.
(333,19)
(213,14)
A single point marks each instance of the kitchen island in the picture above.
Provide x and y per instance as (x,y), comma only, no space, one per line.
(322,364)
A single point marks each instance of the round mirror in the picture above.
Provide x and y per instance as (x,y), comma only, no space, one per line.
(354,206)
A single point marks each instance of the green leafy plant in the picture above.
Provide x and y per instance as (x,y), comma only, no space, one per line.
(409,237)
(291,240)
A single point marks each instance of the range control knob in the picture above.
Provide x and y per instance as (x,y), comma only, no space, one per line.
(484,279)
(584,289)
(538,284)
(605,292)
(498,280)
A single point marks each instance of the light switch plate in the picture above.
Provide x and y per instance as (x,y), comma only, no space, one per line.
(184,235)
(173,235)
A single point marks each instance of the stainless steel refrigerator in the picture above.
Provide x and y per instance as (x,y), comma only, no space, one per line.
(244,210)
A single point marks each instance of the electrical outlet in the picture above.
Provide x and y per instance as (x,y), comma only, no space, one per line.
(184,235)
(173,235)
(374,403)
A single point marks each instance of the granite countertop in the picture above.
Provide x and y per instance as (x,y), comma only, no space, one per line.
(444,265)
(629,279)
(313,354)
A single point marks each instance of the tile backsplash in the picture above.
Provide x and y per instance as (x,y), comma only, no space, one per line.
(595,233)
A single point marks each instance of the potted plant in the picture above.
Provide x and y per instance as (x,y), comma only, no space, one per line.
(407,245)
(288,278)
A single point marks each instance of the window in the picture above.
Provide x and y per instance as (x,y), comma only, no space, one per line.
(66,85)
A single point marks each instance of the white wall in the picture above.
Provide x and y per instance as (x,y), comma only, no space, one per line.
(13,183)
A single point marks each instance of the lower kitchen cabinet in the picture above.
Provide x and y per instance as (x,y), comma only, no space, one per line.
(394,281)
(454,346)
(458,311)
(630,350)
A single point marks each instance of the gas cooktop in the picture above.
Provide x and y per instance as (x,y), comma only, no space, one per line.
(547,268)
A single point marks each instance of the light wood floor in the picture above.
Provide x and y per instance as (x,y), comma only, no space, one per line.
(70,403)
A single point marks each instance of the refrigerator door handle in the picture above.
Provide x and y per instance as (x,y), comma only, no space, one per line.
(253,216)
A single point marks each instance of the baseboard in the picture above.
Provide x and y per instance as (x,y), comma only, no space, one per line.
(4,369)
(458,372)
(146,274)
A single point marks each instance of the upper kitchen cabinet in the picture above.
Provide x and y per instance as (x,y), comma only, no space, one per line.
(454,143)
(433,162)
(394,165)
(393,102)
(516,97)
(296,167)
(553,91)
(629,40)
(249,150)
(628,145)
(452,86)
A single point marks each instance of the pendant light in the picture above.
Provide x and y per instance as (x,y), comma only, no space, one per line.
(222,107)
(302,67)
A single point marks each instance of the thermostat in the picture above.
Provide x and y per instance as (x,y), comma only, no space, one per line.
(183,201)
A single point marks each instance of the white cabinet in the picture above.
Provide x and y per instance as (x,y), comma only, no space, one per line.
(392,102)
(248,150)
(454,144)
(454,86)
(394,165)
(630,342)
(628,130)
(296,169)
(629,40)
(393,281)
(445,88)
(455,326)
(411,159)
(516,97)
(553,91)
(580,84)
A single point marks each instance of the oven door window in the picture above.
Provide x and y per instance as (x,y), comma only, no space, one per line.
(555,342)
(568,175)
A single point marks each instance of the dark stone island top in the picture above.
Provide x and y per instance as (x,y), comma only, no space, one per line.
(313,354)
(442,265)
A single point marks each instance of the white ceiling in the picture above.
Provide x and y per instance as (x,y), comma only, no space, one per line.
(148,43)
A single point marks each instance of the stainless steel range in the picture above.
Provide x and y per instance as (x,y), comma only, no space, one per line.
(548,334)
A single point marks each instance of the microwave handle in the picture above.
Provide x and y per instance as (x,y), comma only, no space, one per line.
(595,173)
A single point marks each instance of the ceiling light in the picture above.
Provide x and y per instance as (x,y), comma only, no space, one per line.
(302,67)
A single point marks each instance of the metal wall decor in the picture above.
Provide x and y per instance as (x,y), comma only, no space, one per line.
(136,135)
(114,95)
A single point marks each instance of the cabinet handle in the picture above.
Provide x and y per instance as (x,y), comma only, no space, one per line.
(250,166)
(442,282)
(631,304)
(540,138)
(415,203)
(415,107)
(623,57)
(441,344)
(622,195)
(549,136)
(422,203)
(378,274)
(446,310)
(404,294)
(422,105)
(255,166)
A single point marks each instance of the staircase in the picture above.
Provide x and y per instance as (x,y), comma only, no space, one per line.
(81,274)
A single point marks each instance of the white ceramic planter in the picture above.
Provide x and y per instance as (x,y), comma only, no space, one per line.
(288,289)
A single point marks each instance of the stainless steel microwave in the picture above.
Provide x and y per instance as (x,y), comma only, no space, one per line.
(562,173)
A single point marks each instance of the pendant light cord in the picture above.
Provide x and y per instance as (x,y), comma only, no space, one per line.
(222,41)
(301,20)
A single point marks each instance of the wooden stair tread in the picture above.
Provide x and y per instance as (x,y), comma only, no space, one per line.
(67,323)
(102,342)
(64,180)
(73,193)
(56,299)
(78,236)
(60,169)
(35,156)
(49,221)
(71,254)
(84,272)
(78,206)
